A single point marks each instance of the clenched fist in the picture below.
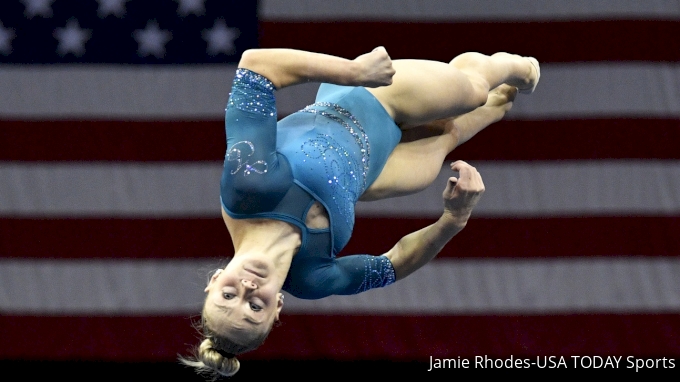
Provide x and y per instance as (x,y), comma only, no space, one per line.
(374,68)
(462,194)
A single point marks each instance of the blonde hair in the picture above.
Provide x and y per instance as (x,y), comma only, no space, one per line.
(209,361)
(216,355)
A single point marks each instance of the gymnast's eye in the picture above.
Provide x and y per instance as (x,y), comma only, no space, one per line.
(227,296)
(255,307)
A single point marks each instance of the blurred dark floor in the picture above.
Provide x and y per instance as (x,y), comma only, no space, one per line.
(281,370)
(250,370)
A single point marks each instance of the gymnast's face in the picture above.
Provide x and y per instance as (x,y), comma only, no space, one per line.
(243,300)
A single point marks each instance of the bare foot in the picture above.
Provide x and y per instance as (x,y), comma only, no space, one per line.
(525,71)
(534,77)
(497,104)
(502,96)
(465,126)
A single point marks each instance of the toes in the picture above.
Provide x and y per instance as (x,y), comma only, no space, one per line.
(502,94)
(536,74)
(510,92)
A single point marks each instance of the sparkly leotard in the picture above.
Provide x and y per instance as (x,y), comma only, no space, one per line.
(330,152)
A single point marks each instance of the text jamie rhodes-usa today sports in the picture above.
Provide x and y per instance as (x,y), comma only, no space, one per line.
(553,362)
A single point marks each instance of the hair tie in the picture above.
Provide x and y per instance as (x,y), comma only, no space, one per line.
(224,354)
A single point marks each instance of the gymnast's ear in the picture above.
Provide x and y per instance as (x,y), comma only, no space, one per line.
(279,305)
(212,279)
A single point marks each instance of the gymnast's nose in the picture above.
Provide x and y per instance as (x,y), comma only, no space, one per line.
(248,284)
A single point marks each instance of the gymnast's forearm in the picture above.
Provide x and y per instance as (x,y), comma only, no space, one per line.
(417,249)
(287,67)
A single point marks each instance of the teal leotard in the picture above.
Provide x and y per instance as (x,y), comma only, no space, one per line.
(330,152)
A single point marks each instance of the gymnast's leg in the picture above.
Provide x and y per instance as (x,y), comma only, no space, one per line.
(433,94)
(424,91)
(416,161)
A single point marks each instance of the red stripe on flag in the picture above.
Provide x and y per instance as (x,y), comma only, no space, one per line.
(574,139)
(306,337)
(531,238)
(112,141)
(208,238)
(114,238)
(132,339)
(554,41)
(205,141)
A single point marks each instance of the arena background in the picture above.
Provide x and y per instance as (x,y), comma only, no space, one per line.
(111,142)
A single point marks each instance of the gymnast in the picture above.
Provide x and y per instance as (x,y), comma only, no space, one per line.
(289,189)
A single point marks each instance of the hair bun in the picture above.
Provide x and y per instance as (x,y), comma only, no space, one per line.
(210,360)
(224,354)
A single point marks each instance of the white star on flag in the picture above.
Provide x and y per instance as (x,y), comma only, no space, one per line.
(72,39)
(38,8)
(6,37)
(187,7)
(220,38)
(152,40)
(111,7)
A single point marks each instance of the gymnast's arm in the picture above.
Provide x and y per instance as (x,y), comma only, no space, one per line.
(287,67)
(418,248)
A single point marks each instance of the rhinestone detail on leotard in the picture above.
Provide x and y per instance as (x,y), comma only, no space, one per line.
(341,170)
(238,153)
(378,273)
(357,133)
(253,93)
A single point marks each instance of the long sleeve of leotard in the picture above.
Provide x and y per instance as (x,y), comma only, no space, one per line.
(255,176)
(359,273)
(318,278)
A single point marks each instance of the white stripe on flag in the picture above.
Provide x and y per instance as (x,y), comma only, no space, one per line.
(543,189)
(576,285)
(465,10)
(577,188)
(566,91)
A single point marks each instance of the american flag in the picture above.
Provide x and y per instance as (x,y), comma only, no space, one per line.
(112,140)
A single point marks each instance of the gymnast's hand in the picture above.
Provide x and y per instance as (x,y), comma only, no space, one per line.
(374,68)
(462,194)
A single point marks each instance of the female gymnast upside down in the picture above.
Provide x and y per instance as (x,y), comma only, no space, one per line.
(288,189)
